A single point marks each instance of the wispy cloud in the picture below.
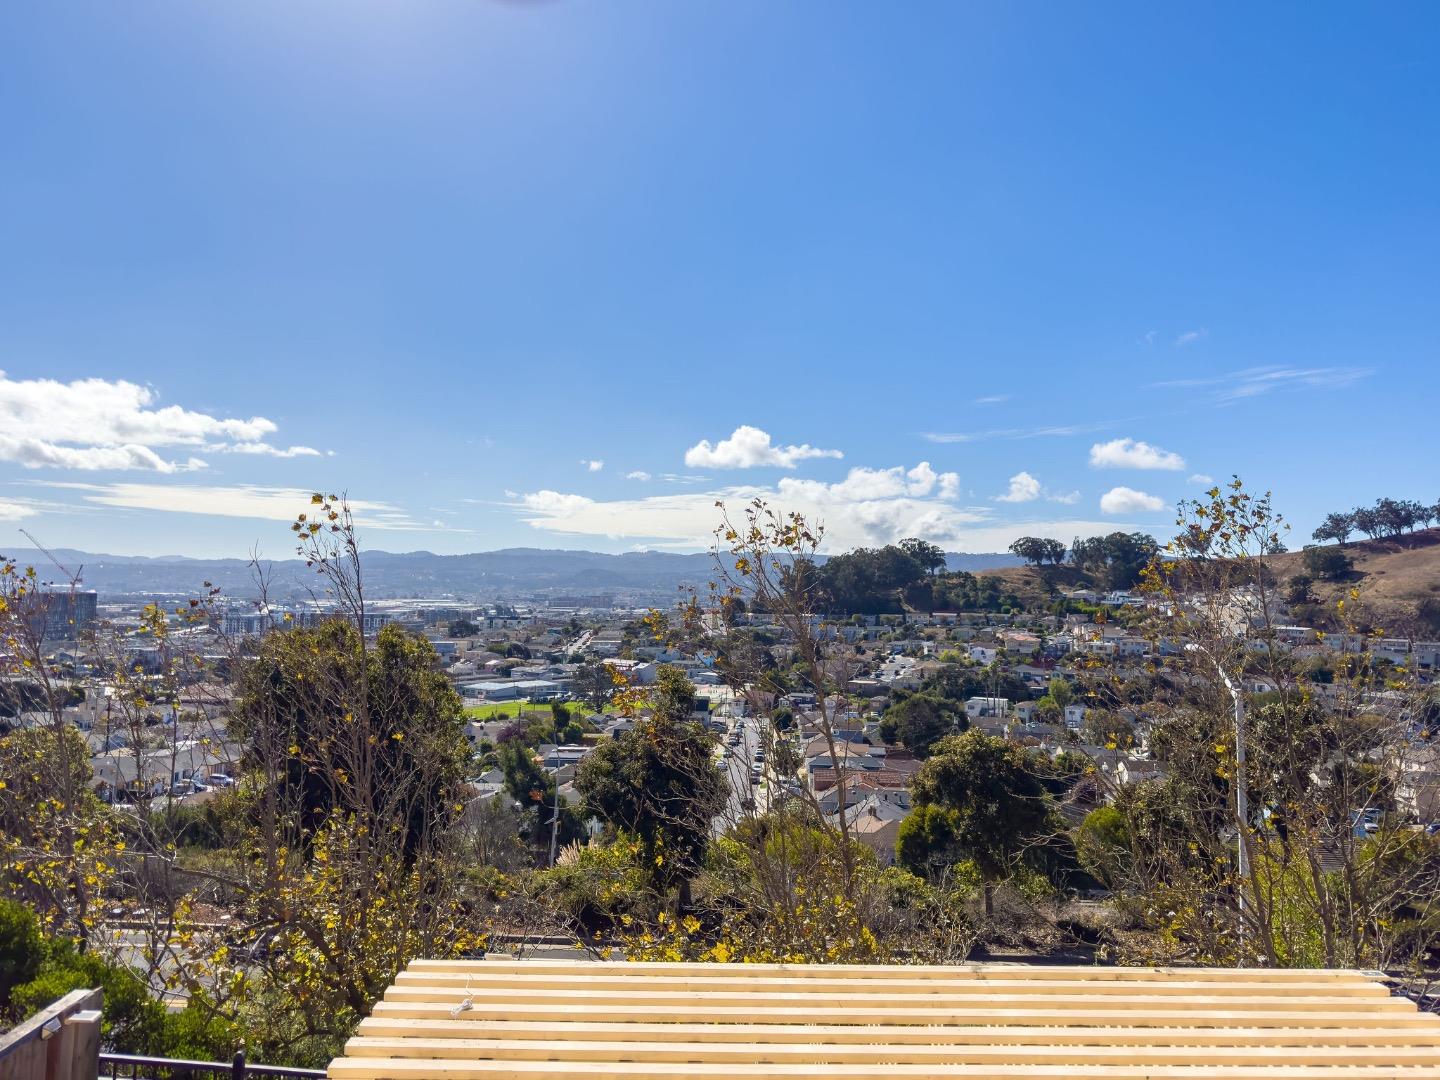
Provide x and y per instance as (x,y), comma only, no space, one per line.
(992,399)
(1191,337)
(638,474)
(1253,382)
(1069,498)
(1201,478)
(1049,431)
(11,510)
(239,500)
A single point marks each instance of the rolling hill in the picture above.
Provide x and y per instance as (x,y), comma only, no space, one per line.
(1395,577)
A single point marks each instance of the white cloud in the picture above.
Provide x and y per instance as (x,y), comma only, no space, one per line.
(749,447)
(592,464)
(1190,337)
(240,500)
(1069,498)
(638,474)
(1201,478)
(861,483)
(1131,454)
(102,424)
(268,451)
(1124,500)
(992,399)
(686,520)
(1023,488)
(869,506)
(15,511)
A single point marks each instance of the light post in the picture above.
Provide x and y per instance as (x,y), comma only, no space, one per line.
(1242,798)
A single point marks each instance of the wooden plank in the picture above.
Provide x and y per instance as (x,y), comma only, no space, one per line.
(996,982)
(813,1054)
(644,969)
(832,1034)
(1272,1015)
(347,1068)
(942,997)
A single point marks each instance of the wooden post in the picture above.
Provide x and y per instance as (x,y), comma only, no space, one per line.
(61,1042)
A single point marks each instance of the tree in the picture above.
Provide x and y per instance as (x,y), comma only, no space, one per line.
(1117,559)
(462,628)
(1367,521)
(595,684)
(658,783)
(1337,526)
(866,580)
(918,720)
(1037,550)
(1102,843)
(980,798)
(1327,563)
(345,853)
(1060,691)
(371,731)
(1102,727)
(927,556)
(1313,762)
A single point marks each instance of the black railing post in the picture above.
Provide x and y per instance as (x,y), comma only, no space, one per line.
(237,1066)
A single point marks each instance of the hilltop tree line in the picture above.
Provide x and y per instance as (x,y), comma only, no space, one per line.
(1115,560)
(1388,517)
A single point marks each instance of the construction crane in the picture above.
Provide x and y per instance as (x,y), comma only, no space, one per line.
(70,579)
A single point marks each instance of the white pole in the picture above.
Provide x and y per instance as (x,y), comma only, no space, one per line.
(1242,799)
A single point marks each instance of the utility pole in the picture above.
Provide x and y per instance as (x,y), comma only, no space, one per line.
(1242,797)
(555,819)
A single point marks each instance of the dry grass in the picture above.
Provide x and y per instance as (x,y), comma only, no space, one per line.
(1393,577)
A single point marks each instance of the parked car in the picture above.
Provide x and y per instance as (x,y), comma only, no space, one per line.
(180,788)
(220,780)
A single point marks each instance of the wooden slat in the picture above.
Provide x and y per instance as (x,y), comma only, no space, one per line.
(409,1069)
(1427,1034)
(1089,1017)
(885,971)
(942,998)
(741,1053)
(981,983)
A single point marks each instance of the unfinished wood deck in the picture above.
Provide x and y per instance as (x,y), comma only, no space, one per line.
(548,1020)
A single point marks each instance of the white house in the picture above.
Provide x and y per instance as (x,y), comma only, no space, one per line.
(978,707)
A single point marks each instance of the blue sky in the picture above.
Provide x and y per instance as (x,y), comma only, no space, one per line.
(563,273)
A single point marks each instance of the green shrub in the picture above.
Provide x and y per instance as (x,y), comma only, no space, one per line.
(134,1022)
(22,949)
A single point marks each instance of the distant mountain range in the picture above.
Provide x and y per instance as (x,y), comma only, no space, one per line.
(481,575)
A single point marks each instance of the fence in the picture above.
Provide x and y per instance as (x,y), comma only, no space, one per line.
(61,1042)
(135,1067)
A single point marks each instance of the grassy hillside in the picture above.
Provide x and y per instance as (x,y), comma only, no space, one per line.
(1394,576)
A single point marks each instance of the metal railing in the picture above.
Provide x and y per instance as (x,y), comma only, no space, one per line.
(137,1067)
